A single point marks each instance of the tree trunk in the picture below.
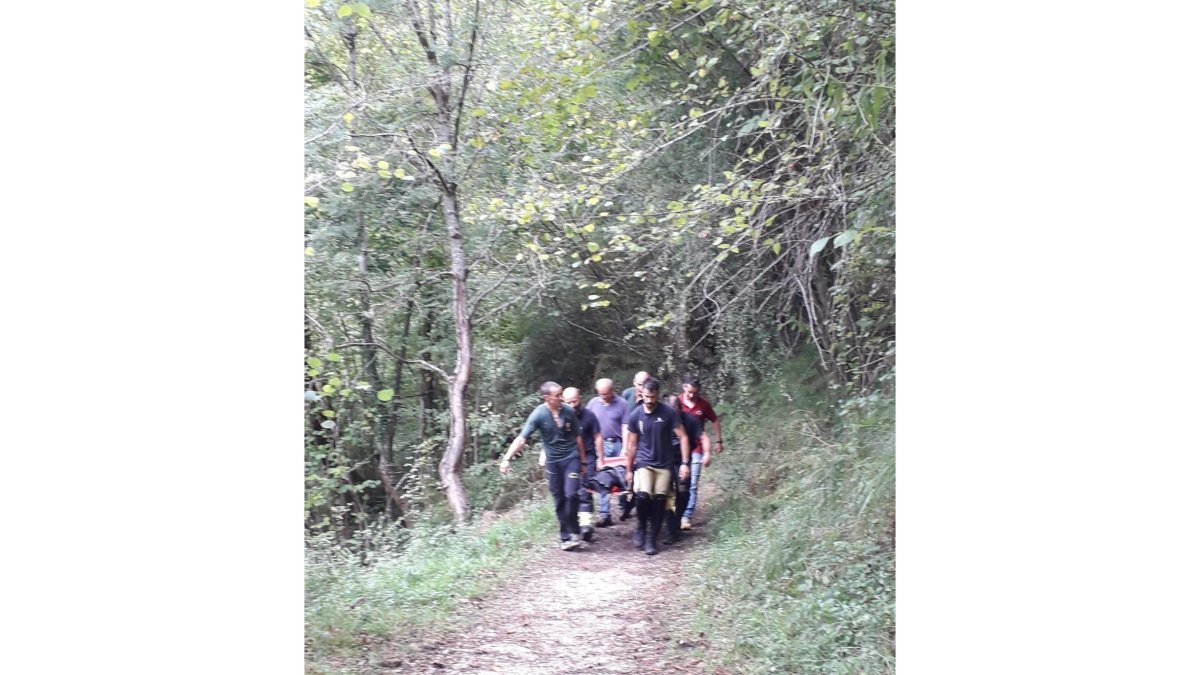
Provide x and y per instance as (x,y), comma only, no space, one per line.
(450,468)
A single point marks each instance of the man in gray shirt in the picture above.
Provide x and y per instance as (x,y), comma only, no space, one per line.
(610,410)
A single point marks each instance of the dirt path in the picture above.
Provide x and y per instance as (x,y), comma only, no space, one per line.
(606,608)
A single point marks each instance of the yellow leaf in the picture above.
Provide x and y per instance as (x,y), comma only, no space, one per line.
(309,251)
(382,165)
(312,3)
(311,201)
(348,117)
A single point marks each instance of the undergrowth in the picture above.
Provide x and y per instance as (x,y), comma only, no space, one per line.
(407,579)
(803,533)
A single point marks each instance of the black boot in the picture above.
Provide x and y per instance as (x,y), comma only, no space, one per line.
(626,507)
(643,516)
(672,529)
(657,513)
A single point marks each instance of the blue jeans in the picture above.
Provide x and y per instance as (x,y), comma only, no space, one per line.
(695,481)
(611,449)
(563,479)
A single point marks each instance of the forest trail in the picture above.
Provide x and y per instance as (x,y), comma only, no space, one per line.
(606,608)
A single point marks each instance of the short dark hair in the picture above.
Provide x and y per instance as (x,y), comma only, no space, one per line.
(544,390)
(650,384)
(692,380)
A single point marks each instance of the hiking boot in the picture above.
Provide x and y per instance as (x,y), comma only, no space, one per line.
(685,524)
(649,548)
(587,533)
(639,537)
(572,543)
(626,509)
(605,521)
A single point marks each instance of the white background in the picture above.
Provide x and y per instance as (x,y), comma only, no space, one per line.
(152,294)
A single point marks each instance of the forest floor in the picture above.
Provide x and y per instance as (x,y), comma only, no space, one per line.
(604,608)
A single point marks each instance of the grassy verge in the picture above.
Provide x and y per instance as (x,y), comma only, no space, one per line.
(409,581)
(803,536)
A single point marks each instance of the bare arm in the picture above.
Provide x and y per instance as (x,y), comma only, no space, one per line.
(706,446)
(517,444)
(630,452)
(685,447)
(717,428)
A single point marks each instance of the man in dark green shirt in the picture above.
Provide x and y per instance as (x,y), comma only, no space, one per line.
(565,456)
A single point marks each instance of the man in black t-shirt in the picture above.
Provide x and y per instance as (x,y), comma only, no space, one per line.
(650,428)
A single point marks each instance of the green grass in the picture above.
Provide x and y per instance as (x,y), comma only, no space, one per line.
(803,534)
(411,580)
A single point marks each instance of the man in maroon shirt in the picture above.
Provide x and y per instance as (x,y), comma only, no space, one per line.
(693,403)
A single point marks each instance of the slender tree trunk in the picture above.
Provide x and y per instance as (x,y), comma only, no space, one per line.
(440,89)
(450,468)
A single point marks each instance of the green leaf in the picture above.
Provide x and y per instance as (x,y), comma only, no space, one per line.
(775,248)
(329,413)
(844,238)
(346,187)
(333,357)
(313,362)
(362,9)
(344,11)
(385,395)
(817,246)
(311,201)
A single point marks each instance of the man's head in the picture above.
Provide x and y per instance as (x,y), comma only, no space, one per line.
(639,380)
(672,401)
(650,393)
(691,386)
(604,389)
(572,398)
(552,394)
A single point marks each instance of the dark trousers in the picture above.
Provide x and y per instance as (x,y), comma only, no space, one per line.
(563,478)
(585,497)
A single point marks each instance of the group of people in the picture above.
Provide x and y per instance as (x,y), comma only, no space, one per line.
(660,441)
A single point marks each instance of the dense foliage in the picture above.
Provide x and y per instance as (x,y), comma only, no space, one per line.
(502,193)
